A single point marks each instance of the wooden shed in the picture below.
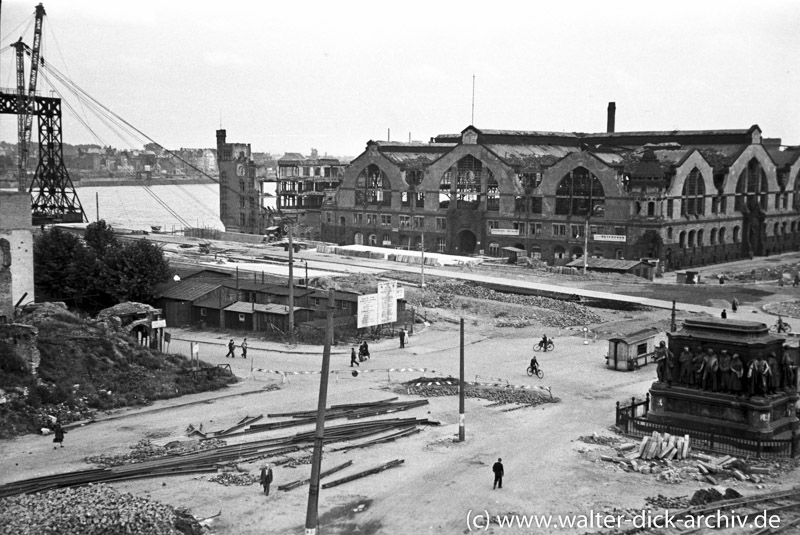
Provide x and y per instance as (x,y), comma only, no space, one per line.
(631,351)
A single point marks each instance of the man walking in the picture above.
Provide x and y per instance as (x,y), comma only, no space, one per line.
(497,468)
(266,478)
(353,359)
(244,348)
(231,347)
(402,338)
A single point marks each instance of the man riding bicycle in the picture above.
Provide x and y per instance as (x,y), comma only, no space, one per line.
(544,342)
(534,365)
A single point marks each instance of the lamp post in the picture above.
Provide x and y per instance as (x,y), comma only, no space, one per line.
(595,209)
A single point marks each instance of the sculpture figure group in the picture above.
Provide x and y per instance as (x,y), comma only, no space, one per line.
(723,372)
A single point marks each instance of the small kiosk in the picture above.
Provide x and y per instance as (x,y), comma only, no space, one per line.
(631,351)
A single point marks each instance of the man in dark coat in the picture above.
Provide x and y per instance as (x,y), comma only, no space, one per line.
(353,358)
(244,348)
(59,435)
(497,468)
(266,478)
(402,338)
(231,347)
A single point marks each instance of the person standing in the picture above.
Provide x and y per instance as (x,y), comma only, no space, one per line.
(724,314)
(734,305)
(266,478)
(353,358)
(244,348)
(231,347)
(59,432)
(497,468)
(402,338)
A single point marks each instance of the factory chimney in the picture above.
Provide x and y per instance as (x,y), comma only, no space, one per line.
(612,111)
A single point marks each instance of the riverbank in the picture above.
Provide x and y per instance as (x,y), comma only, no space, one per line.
(100,182)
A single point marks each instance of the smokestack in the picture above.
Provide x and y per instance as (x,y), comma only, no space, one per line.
(612,111)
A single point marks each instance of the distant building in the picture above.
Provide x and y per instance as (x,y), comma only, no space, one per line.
(241,188)
(303,184)
(685,198)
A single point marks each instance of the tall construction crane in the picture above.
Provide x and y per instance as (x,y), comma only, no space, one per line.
(25,119)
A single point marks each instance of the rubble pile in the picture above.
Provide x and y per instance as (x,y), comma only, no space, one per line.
(711,495)
(89,510)
(145,450)
(667,502)
(497,394)
(567,313)
(231,478)
(594,438)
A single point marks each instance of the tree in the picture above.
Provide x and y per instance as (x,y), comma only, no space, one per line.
(54,256)
(132,271)
(100,237)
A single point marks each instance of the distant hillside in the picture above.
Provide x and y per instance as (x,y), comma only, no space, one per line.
(87,366)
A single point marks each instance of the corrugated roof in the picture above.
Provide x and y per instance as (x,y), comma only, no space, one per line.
(535,154)
(212,301)
(636,336)
(189,290)
(784,157)
(605,263)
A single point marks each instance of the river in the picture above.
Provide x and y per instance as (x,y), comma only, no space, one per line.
(172,207)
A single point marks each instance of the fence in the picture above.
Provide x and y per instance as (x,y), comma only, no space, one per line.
(632,420)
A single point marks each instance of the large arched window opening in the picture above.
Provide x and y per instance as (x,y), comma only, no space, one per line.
(579,193)
(372,186)
(682,239)
(796,195)
(559,252)
(752,189)
(736,234)
(693,195)
(712,238)
(466,180)
(700,238)
(691,238)
(722,236)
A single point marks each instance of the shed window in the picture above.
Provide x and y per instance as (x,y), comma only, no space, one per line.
(241,318)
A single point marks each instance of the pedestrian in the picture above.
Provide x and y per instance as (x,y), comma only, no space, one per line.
(266,477)
(231,347)
(402,338)
(796,281)
(724,314)
(497,468)
(244,348)
(59,432)
(734,305)
(353,359)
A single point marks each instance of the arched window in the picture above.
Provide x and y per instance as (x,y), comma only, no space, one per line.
(736,234)
(536,252)
(682,239)
(386,241)
(373,239)
(618,254)
(597,253)
(752,188)
(558,252)
(691,238)
(467,179)
(669,233)
(712,238)
(693,195)
(358,238)
(651,209)
(775,229)
(494,249)
(372,186)
(794,226)
(578,193)
(405,241)
(722,235)
(783,228)
(700,238)
(577,252)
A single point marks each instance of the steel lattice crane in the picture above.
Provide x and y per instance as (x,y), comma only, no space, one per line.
(25,119)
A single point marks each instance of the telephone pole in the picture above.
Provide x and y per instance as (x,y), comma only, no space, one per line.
(461,423)
(291,284)
(319,435)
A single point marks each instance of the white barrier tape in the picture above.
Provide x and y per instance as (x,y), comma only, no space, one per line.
(279,372)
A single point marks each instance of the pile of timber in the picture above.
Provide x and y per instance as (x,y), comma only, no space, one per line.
(212,459)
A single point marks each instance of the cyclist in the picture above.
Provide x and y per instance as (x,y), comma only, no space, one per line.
(544,342)
(781,325)
(534,365)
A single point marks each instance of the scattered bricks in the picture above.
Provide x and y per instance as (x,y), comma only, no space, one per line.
(230,478)
(626,447)
(739,475)
(665,502)
(758,470)
(702,469)
(712,480)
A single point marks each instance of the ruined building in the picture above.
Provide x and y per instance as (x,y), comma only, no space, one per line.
(685,198)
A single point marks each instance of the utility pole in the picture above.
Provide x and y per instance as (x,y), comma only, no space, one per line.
(672,325)
(291,284)
(97,204)
(319,435)
(422,262)
(461,387)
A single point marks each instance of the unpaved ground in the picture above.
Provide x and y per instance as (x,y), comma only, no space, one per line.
(547,469)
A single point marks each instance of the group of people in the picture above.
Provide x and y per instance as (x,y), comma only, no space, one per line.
(723,372)
(232,346)
(363,354)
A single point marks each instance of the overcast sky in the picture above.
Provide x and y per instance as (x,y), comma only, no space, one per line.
(292,75)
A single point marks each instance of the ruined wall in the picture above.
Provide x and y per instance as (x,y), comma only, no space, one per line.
(16,251)
(23,338)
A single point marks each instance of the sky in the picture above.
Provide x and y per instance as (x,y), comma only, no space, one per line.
(290,76)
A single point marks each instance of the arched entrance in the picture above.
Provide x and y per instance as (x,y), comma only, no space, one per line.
(466,242)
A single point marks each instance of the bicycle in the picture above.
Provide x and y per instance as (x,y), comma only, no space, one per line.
(780,327)
(537,372)
(550,346)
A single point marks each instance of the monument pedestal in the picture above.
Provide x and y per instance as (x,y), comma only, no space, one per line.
(759,417)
